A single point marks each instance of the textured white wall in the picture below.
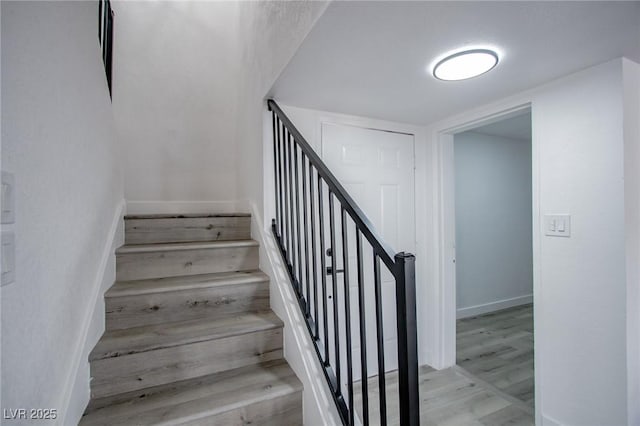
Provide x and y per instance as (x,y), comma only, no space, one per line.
(269,34)
(494,252)
(58,138)
(174,101)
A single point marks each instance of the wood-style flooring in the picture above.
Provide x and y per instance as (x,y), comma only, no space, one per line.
(491,386)
(498,348)
(448,397)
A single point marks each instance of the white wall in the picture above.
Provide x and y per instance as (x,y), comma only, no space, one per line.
(269,34)
(174,100)
(631,76)
(577,126)
(58,138)
(580,286)
(189,85)
(494,259)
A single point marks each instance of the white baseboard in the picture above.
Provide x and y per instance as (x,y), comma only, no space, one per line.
(75,395)
(548,421)
(319,408)
(168,207)
(471,311)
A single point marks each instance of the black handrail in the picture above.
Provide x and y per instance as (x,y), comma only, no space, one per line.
(105,37)
(295,233)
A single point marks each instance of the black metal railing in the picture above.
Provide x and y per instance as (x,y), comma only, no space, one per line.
(105,37)
(308,198)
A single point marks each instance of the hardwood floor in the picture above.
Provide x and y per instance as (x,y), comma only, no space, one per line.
(498,348)
(491,386)
(448,397)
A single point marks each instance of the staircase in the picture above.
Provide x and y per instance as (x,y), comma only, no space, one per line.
(190,338)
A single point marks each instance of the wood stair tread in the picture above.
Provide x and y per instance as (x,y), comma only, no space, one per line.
(134,340)
(198,245)
(190,337)
(199,398)
(184,215)
(188,282)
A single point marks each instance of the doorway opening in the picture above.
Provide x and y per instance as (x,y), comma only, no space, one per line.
(493,249)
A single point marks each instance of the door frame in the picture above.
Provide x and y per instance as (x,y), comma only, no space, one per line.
(442,135)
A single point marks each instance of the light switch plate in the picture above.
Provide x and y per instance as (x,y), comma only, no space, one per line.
(8,254)
(7,203)
(557,225)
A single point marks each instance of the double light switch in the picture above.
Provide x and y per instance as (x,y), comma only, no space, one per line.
(8,240)
(557,225)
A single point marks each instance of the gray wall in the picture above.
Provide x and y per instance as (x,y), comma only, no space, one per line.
(58,139)
(493,222)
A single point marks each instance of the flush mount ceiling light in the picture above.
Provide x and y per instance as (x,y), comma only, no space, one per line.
(466,64)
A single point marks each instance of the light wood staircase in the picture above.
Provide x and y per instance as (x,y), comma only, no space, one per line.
(190,338)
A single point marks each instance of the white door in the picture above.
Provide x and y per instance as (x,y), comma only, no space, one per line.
(377,169)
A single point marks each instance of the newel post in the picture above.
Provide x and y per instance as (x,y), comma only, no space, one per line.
(407,339)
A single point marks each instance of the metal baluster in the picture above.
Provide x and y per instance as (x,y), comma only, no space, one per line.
(313,253)
(292,217)
(380,340)
(334,284)
(323,265)
(363,332)
(306,232)
(275,168)
(282,189)
(347,312)
(286,233)
(298,235)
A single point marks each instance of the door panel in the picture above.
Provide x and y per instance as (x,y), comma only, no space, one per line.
(377,169)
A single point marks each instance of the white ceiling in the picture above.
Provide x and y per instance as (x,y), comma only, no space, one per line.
(517,127)
(371,58)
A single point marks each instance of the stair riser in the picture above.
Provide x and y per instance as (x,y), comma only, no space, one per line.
(174,263)
(212,303)
(167,230)
(157,367)
(282,411)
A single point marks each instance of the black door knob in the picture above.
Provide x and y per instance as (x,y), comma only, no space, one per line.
(330,270)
